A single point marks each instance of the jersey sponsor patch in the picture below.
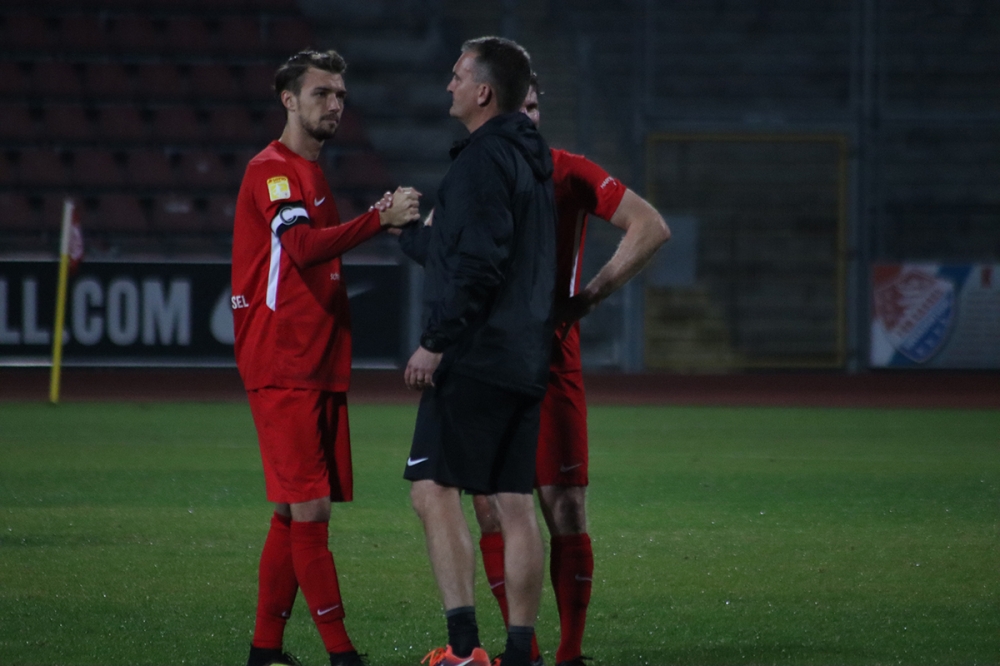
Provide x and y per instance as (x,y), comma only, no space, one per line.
(278,188)
(288,216)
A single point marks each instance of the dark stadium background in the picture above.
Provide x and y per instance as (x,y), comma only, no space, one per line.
(791,147)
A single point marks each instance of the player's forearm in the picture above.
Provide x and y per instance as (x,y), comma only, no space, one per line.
(640,242)
(308,247)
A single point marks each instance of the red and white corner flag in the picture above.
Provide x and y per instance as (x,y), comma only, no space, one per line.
(75,244)
(70,255)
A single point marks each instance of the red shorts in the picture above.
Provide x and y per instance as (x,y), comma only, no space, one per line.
(305,444)
(562,458)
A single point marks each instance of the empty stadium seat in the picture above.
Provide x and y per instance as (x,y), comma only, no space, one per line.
(44,167)
(176,123)
(56,79)
(113,212)
(258,81)
(274,121)
(361,170)
(27,32)
(233,124)
(17,122)
(150,168)
(242,157)
(107,80)
(214,81)
(96,167)
(134,34)
(50,213)
(160,81)
(220,212)
(238,35)
(178,212)
(203,169)
(189,35)
(348,208)
(17,212)
(121,123)
(289,35)
(351,131)
(83,33)
(70,122)
(13,79)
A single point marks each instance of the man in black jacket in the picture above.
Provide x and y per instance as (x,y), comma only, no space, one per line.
(483,357)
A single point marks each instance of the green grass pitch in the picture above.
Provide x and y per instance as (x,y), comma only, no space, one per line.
(129,534)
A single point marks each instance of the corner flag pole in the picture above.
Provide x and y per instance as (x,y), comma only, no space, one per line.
(60,318)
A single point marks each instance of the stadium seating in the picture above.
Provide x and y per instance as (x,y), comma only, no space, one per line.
(70,122)
(121,123)
(97,167)
(16,122)
(56,79)
(113,212)
(205,169)
(107,81)
(146,114)
(150,168)
(16,211)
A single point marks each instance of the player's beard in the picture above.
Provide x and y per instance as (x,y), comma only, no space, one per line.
(318,131)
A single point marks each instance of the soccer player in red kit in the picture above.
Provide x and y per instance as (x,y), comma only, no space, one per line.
(582,188)
(293,348)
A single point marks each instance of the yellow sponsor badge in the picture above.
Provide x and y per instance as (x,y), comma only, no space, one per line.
(278,188)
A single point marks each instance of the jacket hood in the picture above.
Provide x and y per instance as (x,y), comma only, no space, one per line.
(518,129)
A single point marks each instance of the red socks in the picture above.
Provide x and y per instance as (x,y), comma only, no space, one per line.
(491,545)
(294,552)
(317,576)
(276,586)
(572,570)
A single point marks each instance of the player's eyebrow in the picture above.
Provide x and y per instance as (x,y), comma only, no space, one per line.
(329,89)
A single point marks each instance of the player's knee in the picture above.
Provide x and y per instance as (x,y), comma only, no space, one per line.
(422,497)
(486,514)
(314,511)
(568,511)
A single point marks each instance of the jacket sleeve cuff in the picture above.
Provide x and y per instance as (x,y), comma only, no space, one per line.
(434,343)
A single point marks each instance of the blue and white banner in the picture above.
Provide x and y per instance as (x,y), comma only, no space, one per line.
(935,315)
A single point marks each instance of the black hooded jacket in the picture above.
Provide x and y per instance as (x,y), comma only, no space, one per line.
(490,258)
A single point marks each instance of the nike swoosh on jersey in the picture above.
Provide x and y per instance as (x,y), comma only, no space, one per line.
(410,462)
(318,202)
(567,468)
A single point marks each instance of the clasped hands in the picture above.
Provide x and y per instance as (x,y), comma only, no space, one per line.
(399,208)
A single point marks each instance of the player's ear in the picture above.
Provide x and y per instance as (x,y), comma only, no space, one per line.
(484,94)
(288,100)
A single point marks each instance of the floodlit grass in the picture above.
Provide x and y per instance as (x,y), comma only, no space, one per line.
(129,534)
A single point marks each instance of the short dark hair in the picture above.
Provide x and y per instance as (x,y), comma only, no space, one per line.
(289,75)
(505,65)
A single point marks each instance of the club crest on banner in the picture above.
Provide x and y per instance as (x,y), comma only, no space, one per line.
(915,308)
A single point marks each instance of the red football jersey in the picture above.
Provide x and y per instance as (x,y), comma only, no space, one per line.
(290,308)
(582,188)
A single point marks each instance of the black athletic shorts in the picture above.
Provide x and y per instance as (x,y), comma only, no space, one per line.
(475,436)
